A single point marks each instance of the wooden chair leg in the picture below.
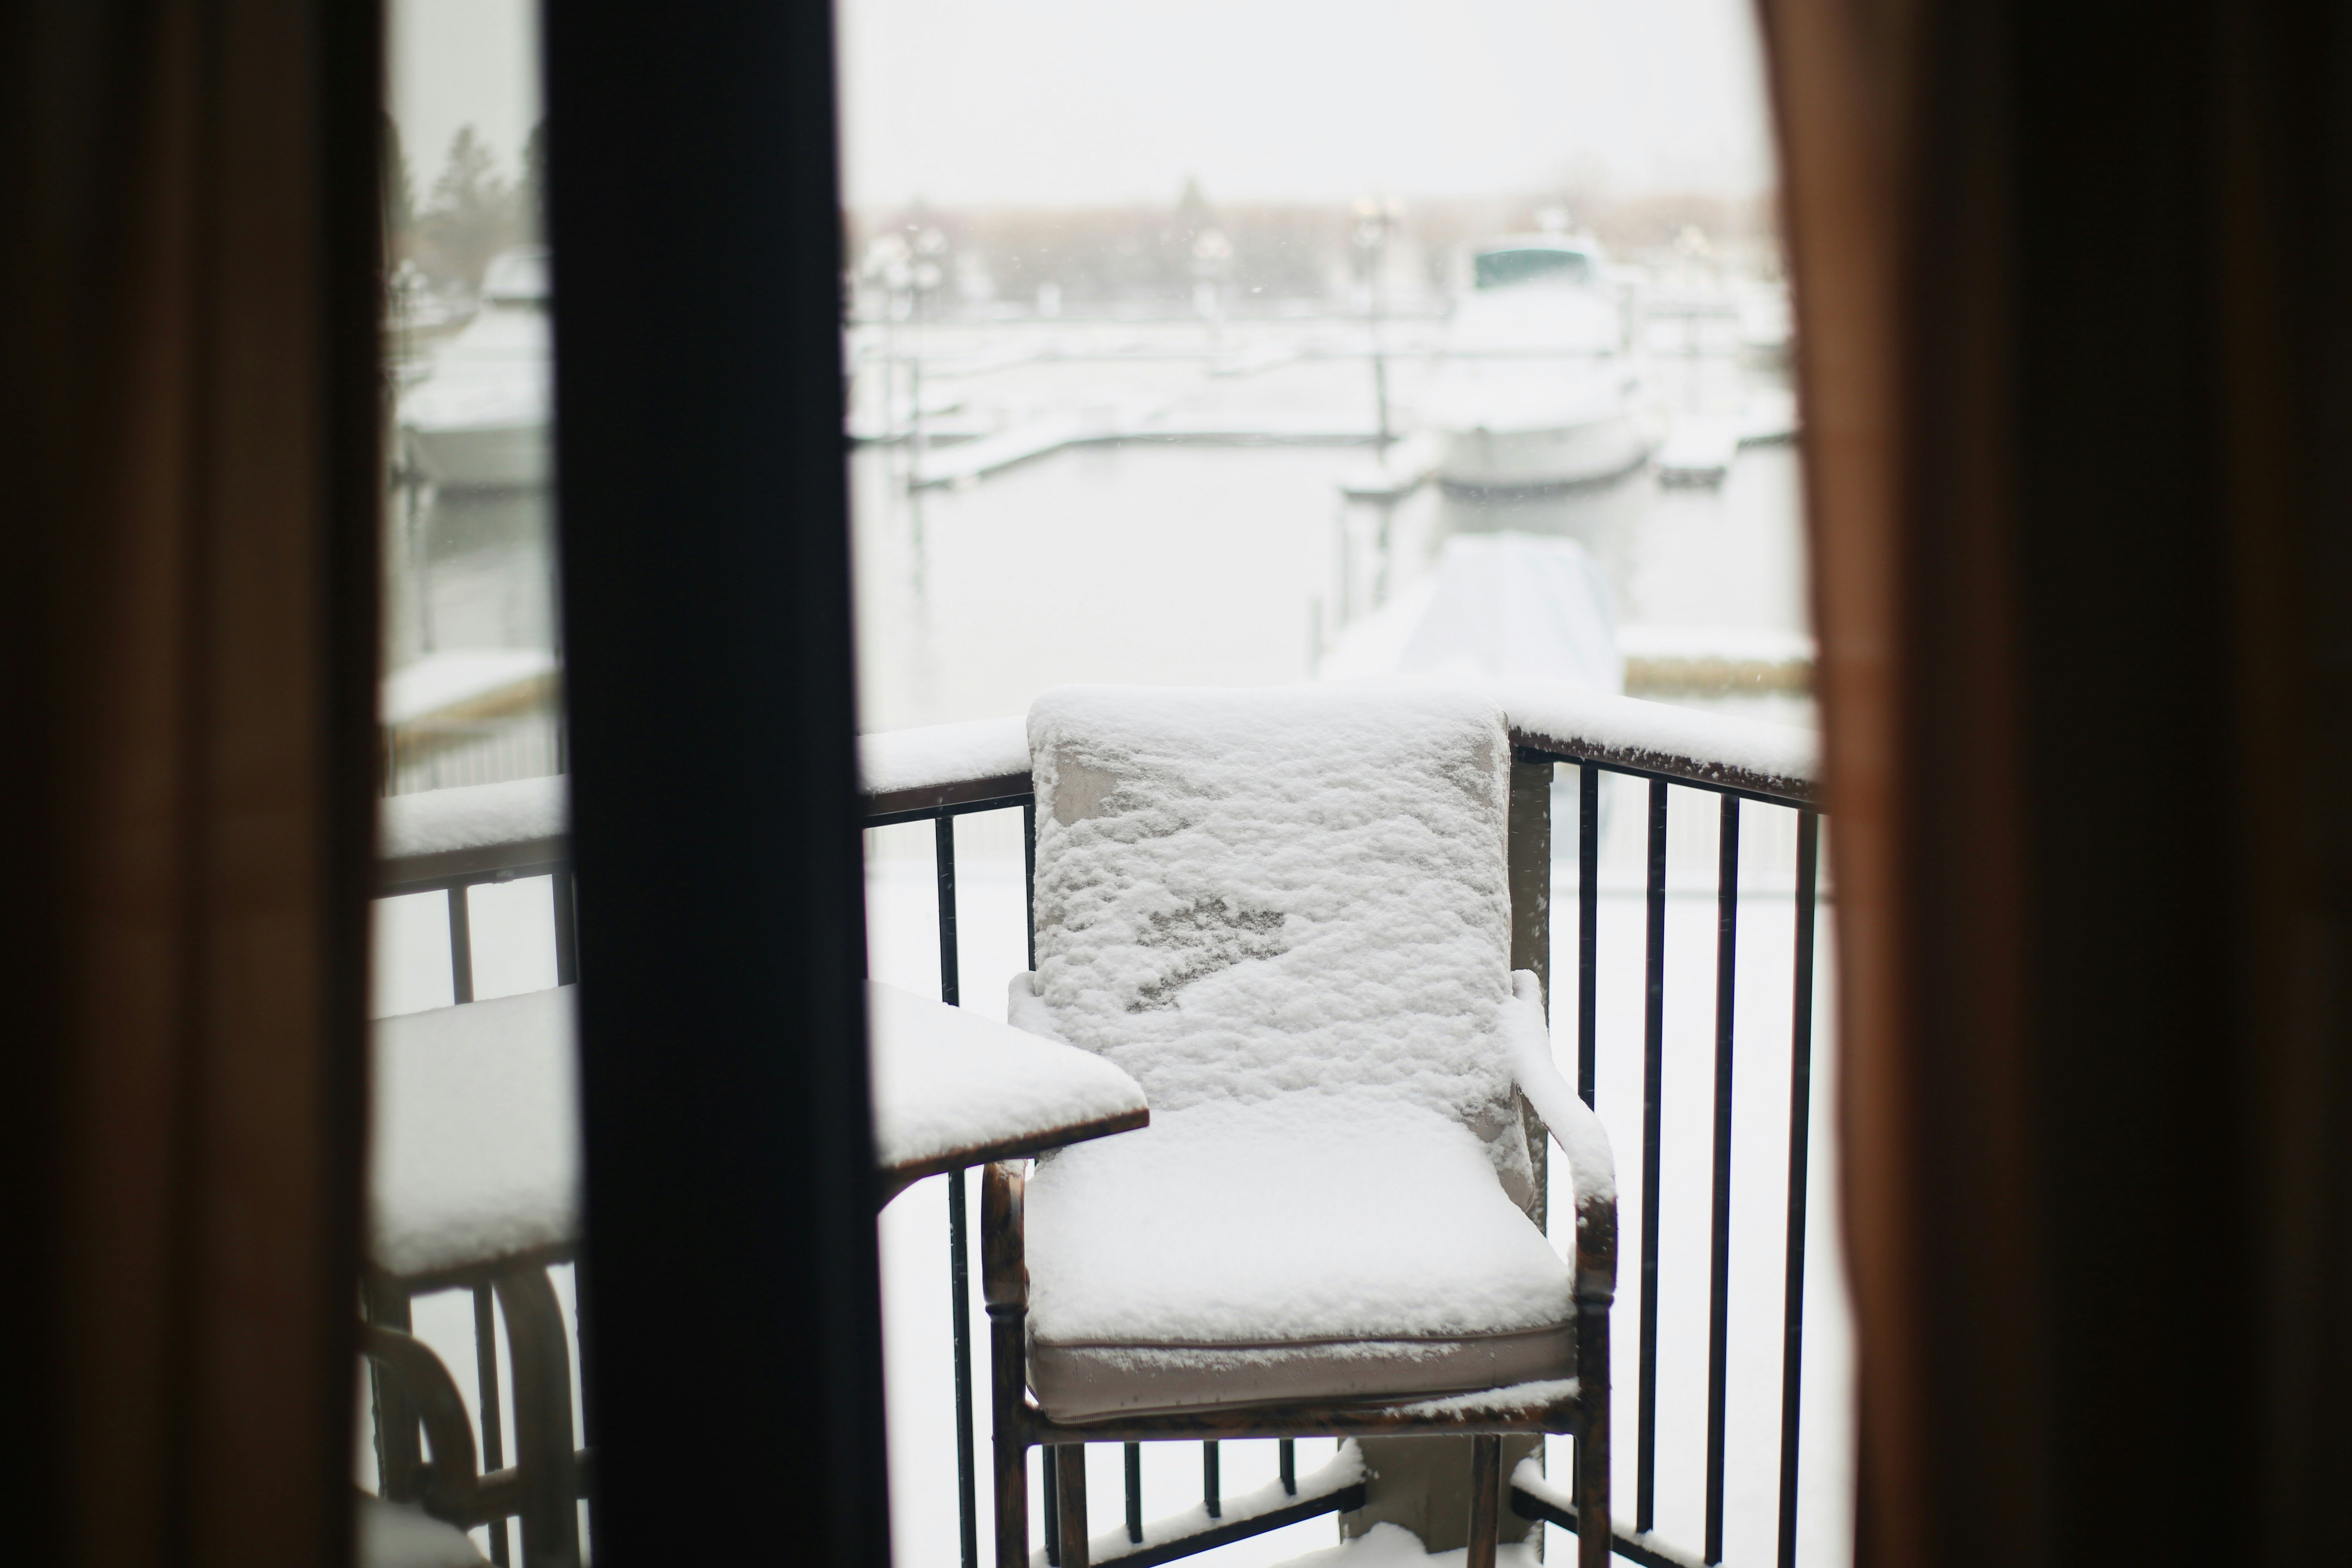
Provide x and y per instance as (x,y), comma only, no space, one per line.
(1485,1497)
(1005,1285)
(1011,1446)
(1012,1504)
(1593,1546)
(1073,1468)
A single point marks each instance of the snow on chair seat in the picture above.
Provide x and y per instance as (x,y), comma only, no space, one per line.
(1278,1253)
(1286,913)
(475,1146)
(953,1088)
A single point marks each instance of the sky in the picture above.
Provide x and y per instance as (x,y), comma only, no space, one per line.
(1069,102)
(463,62)
(1078,102)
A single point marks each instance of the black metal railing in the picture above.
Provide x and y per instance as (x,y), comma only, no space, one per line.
(942,804)
(1736,790)
(446,753)
(944,815)
(1731,799)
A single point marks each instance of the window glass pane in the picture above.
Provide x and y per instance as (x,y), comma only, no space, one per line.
(472,1170)
(1239,343)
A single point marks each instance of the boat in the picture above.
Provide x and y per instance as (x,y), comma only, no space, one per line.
(478,419)
(1536,389)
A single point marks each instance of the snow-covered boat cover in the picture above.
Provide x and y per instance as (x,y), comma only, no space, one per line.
(946,1079)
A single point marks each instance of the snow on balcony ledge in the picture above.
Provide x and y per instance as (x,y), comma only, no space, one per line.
(947,764)
(473,816)
(1778,759)
(944,765)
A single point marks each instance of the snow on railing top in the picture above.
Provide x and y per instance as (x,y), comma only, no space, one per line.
(473,816)
(947,764)
(1778,759)
(944,765)
(952,765)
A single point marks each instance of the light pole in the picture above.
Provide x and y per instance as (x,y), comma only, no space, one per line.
(1375,217)
(1212,257)
(930,246)
(886,268)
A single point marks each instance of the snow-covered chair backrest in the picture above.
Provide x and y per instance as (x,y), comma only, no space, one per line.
(1243,896)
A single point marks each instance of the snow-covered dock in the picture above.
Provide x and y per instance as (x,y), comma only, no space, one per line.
(989,454)
(1396,473)
(1052,433)
(1699,451)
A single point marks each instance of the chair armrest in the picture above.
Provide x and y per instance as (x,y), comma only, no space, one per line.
(1003,1262)
(1577,1131)
(450,1481)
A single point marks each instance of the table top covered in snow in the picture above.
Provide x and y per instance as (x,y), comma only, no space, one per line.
(474,1157)
(953,1087)
(432,836)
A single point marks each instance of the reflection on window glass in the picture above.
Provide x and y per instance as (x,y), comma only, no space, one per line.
(473,1207)
(1243,342)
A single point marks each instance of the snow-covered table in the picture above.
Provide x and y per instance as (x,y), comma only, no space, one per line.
(474,1182)
(475,1160)
(476,1151)
(953,1088)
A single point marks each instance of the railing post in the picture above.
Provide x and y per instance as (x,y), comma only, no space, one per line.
(1718,1335)
(1801,1101)
(1654,1031)
(1588,928)
(1530,867)
(959,1248)
(461,947)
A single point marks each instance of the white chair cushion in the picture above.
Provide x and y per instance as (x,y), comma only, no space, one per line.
(1288,1249)
(1250,895)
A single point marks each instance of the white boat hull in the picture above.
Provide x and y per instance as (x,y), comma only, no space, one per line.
(1544,458)
(507,456)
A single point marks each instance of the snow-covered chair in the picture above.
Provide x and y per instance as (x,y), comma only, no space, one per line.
(1286,914)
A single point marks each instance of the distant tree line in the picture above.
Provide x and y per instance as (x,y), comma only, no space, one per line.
(1263,253)
(473,211)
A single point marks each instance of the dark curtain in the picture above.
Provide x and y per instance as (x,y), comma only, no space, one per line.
(188,421)
(2077,378)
